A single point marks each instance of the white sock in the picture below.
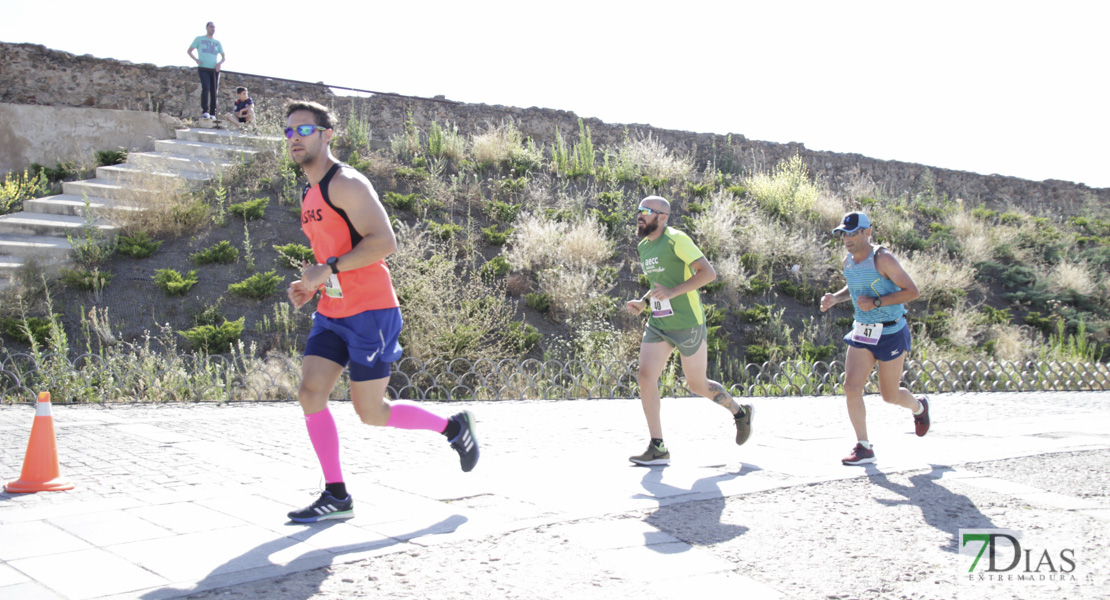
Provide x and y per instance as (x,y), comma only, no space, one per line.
(866,444)
(920,408)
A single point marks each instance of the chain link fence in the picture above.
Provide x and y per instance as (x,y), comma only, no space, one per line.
(145,377)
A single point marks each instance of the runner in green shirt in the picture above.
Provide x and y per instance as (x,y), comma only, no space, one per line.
(675,269)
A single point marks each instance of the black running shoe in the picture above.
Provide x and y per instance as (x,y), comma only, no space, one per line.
(465,443)
(326,507)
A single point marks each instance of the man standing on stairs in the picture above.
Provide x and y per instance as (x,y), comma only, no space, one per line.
(208,68)
(358,320)
(675,269)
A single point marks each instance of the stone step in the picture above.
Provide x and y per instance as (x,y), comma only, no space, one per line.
(72,204)
(43,224)
(228,137)
(177,163)
(103,188)
(205,149)
(156,179)
(39,247)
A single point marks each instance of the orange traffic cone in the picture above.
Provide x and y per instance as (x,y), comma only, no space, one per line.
(40,467)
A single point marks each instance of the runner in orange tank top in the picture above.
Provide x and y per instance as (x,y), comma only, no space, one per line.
(358,321)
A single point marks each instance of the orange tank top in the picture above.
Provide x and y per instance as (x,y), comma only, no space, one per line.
(331,233)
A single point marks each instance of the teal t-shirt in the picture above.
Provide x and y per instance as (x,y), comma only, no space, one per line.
(207,50)
(667,261)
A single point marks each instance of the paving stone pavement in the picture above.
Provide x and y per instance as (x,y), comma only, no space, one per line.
(173,500)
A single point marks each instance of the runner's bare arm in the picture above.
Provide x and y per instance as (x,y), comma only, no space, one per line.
(829,300)
(889,267)
(703,274)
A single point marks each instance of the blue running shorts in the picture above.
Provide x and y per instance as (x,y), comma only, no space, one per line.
(889,347)
(367,341)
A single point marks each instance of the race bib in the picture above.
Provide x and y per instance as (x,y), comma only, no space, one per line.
(661,308)
(867,333)
(332,287)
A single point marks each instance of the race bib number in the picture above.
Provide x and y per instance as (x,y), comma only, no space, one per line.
(332,287)
(867,333)
(661,308)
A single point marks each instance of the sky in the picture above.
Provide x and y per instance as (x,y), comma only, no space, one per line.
(1015,88)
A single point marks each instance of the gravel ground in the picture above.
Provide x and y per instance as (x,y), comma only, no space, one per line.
(879,537)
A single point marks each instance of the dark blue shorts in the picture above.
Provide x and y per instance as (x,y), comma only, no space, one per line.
(889,347)
(368,341)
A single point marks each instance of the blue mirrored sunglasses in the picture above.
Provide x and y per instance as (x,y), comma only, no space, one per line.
(651,211)
(841,233)
(304,130)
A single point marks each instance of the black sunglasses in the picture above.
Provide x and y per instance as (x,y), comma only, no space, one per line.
(304,130)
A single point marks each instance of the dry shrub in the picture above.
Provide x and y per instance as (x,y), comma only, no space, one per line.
(495,145)
(447,314)
(160,206)
(652,158)
(800,244)
(964,325)
(574,291)
(1012,343)
(937,276)
(830,209)
(518,284)
(713,227)
(731,271)
(1074,277)
(539,242)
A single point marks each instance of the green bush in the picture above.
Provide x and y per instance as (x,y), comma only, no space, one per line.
(443,231)
(172,283)
(496,267)
(105,158)
(257,286)
(995,315)
(813,353)
(39,327)
(758,285)
(221,253)
(60,171)
(502,212)
(17,187)
(538,302)
(293,255)
(400,201)
(137,246)
(212,339)
(1018,277)
(86,280)
(250,210)
(523,337)
(493,236)
(800,291)
(983,214)
(759,313)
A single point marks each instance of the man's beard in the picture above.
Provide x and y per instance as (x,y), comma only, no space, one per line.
(647,228)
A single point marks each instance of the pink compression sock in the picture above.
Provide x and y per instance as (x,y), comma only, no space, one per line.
(405,415)
(325,439)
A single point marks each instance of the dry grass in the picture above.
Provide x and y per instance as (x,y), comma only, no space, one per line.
(974,236)
(1012,343)
(830,210)
(574,291)
(539,242)
(937,276)
(714,226)
(964,325)
(731,271)
(160,206)
(787,191)
(1074,277)
(495,145)
(653,159)
(800,244)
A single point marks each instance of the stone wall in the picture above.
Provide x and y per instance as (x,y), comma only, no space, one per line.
(34,74)
(53,134)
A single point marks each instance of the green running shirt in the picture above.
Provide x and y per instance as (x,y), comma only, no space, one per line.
(667,261)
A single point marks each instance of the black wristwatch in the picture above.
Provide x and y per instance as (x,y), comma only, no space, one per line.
(333,262)
(878,301)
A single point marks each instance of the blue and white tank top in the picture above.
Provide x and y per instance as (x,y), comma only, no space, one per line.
(864,280)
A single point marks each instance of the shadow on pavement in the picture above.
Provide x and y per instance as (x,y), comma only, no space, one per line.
(694,522)
(941,508)
(307,581)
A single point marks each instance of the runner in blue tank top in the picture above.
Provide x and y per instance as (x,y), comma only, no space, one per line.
(878,287)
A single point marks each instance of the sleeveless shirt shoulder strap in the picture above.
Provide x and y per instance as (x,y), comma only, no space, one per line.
(356,237)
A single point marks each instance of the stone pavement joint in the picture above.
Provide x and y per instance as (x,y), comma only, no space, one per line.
(175,499)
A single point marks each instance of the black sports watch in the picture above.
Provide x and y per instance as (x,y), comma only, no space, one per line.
(333,262)
(878,301)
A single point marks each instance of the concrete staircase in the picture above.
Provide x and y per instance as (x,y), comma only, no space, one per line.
(39,232)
